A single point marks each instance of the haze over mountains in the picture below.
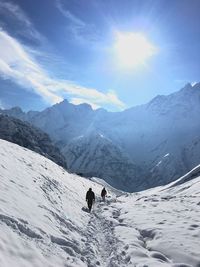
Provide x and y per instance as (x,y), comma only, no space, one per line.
(155,143)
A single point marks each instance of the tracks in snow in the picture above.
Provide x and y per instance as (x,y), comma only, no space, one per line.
(101,247)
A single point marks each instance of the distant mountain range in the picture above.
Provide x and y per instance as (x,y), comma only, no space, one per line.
(144,146)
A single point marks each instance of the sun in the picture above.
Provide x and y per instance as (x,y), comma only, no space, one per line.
(132,49)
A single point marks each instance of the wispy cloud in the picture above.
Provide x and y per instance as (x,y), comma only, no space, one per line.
(18,65)
(12,14)
(79,29)
(77,21)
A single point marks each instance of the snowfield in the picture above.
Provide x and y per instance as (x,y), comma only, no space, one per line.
(44,220)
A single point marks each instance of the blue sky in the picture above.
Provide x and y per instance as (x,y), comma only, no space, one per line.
(56,49)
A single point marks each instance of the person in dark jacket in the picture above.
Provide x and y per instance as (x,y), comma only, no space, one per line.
(103,193)
(90,198)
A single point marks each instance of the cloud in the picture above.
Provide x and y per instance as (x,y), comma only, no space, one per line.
(75,20)
(18,65)
(14,15)
(80,30)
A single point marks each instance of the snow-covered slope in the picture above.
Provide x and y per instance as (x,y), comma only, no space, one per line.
(167,219)
(44,222)
(166,169)
(93,154)
(41,218)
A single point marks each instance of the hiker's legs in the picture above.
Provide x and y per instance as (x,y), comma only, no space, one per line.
(89,205)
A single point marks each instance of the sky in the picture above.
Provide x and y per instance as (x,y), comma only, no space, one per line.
(112,54)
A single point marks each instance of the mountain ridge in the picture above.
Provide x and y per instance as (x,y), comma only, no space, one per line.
(25,135)
(165,125)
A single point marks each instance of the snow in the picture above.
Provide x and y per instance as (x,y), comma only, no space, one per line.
(44,220)
(160,162)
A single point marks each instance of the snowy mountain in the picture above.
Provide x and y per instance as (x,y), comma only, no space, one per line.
(165,169)
(167,125)
(17,112)
(44,221)
(93,154)
(25,135)
(64,121)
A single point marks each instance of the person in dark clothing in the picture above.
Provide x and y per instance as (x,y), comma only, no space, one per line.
(90,198)
(103,193)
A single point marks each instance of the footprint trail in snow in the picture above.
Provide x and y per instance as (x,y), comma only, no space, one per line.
(102,244)
(115,241)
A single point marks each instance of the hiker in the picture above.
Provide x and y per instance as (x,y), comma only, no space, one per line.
(103,194)
(90,198)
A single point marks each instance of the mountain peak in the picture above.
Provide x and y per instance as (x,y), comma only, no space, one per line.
(17,109)
(85,106)
(64,102)
(190,90)
(196,86)
(186,88)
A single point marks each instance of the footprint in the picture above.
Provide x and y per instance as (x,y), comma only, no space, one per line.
(126,247)
(122,224)
(160,256)
(127,259)
(194,225)
(147,233)
(123,253)
(116,214)
(69,251)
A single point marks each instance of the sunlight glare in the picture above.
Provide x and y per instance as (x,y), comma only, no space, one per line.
(132,49)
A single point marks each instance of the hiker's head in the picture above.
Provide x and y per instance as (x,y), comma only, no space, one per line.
(90,189)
